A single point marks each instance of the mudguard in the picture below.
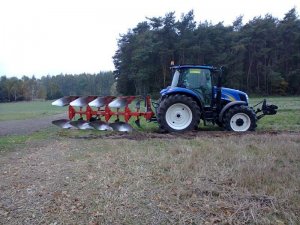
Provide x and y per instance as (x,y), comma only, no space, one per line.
(184,91)
(229,105)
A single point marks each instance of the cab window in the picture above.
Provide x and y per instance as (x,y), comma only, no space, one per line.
(198,80)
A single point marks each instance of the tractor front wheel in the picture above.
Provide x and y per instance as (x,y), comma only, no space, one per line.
(240,119)
(177,113)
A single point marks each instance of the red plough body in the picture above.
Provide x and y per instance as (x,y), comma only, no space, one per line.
(104,111)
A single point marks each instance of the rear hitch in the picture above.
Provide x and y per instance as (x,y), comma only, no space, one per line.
(265,109)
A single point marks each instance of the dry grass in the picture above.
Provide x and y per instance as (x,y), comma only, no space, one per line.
(236,179)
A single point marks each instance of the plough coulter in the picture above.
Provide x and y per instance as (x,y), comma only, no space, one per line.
(190,98)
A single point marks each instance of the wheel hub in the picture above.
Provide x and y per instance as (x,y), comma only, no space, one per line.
(179,116)
(240,122)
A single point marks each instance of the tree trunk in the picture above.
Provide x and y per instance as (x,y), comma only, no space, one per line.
(164,70)
(249,73)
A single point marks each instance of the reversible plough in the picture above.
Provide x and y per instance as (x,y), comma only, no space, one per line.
(94,112)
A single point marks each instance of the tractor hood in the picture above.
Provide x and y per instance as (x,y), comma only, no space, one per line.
(231,95)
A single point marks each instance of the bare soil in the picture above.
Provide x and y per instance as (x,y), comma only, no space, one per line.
(199,177)
(141,136)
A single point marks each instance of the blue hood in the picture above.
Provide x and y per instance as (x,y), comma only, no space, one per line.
(232,95)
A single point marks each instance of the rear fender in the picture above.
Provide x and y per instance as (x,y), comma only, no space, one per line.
(182,91)
(228,106)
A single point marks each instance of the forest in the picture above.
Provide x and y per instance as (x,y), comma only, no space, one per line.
(262,57)
(53,87)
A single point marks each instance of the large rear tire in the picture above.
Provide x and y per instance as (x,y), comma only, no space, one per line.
(240,119)
(178,113)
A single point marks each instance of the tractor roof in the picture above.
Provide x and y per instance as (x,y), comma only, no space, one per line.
(193,66)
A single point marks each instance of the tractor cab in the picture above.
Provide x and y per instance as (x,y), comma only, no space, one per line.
(196,79)
(197,82)
(193,80)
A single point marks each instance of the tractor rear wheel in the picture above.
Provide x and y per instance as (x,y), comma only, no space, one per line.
(240,119)
(177,113)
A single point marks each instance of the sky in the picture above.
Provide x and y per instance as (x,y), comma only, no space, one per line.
(49,37)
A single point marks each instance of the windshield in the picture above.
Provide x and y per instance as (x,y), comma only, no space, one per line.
(197,79)
(175,79)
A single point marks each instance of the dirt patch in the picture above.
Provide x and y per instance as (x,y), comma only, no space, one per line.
(140,136)
(22,127)
(251,179)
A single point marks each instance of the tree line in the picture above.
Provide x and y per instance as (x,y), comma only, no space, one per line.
(262,56)
(53,87)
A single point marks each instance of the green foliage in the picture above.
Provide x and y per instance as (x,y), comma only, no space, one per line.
(262,56)
(82,84)
(53,87)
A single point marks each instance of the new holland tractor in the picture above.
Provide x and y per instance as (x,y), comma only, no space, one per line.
(190,98)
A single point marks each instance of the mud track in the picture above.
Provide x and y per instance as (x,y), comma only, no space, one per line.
(23,127)
(140,135)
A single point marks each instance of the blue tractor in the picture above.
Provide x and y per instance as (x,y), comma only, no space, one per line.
(192,97)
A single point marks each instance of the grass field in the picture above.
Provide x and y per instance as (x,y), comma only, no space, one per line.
(204,177)
(28,110)
(287,117)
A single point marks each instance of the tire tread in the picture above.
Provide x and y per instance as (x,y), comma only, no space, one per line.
(169,101)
